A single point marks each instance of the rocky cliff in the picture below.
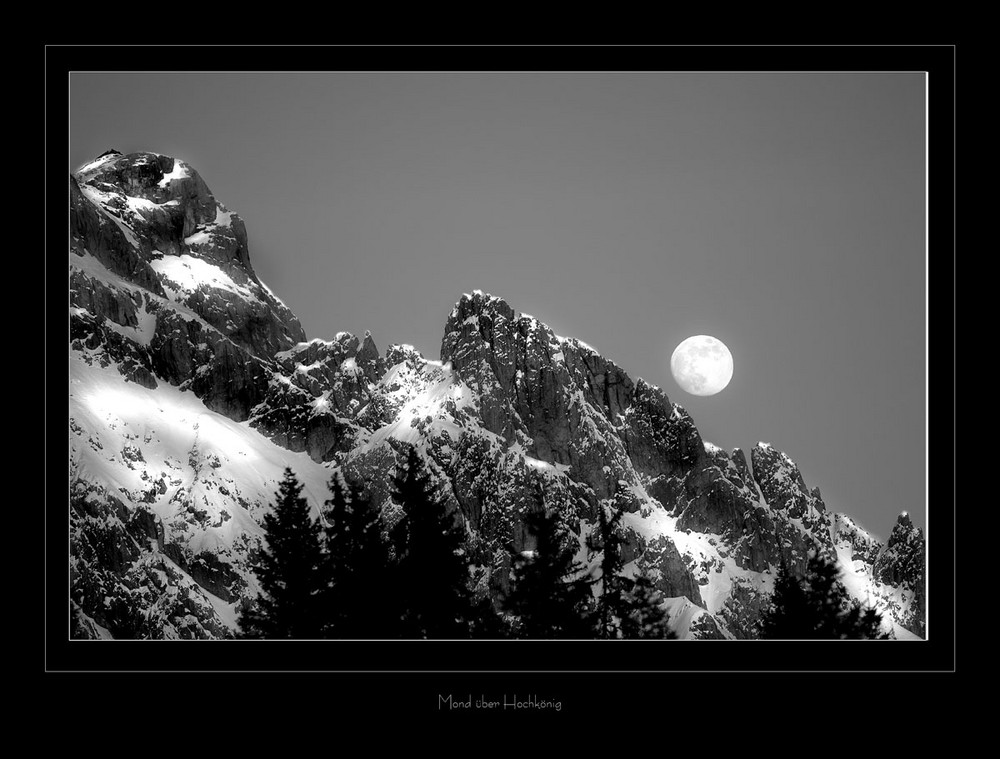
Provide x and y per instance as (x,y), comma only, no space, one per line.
(193,386)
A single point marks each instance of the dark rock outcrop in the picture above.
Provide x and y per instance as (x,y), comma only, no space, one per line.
(902,564)
(320,396)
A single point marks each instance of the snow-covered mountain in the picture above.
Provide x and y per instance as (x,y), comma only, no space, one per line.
(192,387)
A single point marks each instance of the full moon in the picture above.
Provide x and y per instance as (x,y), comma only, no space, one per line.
(702,365)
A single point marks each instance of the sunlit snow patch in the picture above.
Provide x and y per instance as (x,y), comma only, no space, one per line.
(179,171)
(186,274)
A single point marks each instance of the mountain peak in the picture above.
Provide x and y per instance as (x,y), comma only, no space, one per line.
(156,254)
(904,532)
(141,174)
(474,304)
(782,485)
(163,296)
(903,560)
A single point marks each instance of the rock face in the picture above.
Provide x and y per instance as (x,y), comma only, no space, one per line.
(120,572)
(162,298)
(193,387)
(316,393)
(158,260)
(902,565)
(889,577)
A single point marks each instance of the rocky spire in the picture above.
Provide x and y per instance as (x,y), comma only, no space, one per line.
(902,561)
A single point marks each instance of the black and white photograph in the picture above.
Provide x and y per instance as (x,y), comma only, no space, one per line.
(625,356)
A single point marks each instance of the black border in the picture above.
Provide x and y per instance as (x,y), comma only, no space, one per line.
(467,664)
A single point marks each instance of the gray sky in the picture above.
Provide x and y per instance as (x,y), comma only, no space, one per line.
(781,213)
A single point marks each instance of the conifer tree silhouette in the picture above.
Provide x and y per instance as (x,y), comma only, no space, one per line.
(548,595)
(816,607)
(432,572)
(289,570)
(611,604)
(627,607)
(644,615)
(360,598)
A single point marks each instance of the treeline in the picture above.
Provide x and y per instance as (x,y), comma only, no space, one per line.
(348,577)
(817,607)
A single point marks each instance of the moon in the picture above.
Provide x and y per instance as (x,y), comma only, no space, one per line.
(702,365)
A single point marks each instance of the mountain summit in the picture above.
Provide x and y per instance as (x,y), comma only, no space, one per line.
(193,386)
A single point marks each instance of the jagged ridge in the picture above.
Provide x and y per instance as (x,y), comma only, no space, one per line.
(163,292)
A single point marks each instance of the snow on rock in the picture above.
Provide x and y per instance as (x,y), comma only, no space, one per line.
(88,170)
(199,480)
(192,386)
(154,222)
(179,171)
(184,274)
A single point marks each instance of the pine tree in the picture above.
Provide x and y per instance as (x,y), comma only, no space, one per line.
(289,570)
(611,604)
(817,607)
(839,615)
(432,572)
(627,608)
(863,623)
(789,616)
(486,621)
(827,598)
(644,615)
(548,596)
(358,601)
